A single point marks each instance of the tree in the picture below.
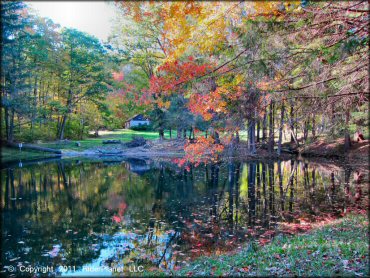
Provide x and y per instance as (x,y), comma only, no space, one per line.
(85,76)
(15,37)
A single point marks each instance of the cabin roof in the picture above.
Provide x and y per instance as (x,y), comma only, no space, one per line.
(139,117)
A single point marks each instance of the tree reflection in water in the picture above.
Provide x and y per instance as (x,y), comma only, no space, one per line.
(157,214)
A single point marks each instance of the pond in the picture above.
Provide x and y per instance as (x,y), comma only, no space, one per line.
(99,217)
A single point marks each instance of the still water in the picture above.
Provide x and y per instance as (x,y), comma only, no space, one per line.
(97,217)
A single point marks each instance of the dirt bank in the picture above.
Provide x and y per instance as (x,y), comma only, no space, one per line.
(357,156)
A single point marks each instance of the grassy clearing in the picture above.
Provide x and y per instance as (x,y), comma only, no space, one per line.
(125,135)
(340,248)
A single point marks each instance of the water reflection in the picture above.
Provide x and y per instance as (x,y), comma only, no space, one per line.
(116,214)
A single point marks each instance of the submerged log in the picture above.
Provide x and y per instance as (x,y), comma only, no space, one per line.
(22,146)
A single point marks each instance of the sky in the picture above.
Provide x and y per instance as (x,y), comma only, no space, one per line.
(93,17)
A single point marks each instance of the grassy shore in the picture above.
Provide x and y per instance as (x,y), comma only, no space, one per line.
(125,135)
(337,249)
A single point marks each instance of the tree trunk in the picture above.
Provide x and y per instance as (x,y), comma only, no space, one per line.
(65,116)
(161,133)
(170,133)
(258,130)
(62,126)
(82,130)
(291,115)
(6,123)
(251,137)
(184,133)
(271,129)
(11,126)
(190,132)
(347,137)
(179,133)
(264,127)
(305,130)
(281,128)
(217,138)
(313,126)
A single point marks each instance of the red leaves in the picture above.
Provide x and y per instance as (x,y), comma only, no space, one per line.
(201,151)
(172,74)
(116,219)
(244,269)
(263,241)
(208,105)
(118,76)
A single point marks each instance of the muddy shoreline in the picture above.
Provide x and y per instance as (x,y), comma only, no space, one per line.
(321,153)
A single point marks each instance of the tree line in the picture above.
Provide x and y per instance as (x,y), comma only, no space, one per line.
(54,80)
(273,69)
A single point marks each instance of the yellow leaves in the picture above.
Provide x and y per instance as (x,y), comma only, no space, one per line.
(238,79)
(163,104)
(199,25)
(274,8)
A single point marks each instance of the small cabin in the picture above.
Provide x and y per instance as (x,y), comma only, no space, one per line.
(136,121)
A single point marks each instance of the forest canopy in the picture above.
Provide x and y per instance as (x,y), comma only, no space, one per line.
(210,68)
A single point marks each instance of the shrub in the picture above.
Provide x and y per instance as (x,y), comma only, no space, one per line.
(142,128)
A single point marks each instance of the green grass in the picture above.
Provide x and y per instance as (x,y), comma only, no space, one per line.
(340,248)
(124,135)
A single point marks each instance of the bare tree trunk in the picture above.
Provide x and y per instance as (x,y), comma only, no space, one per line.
(258,130)
(281,128)
(62,126)
(305,130)
(271,129)
(6,123)
(11,126)
(347,137)
(251,136)
(82,131)
(65,116)
(179,133)
(313,126)
(161,133)
(291,115)
(264,127)
(170,133)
